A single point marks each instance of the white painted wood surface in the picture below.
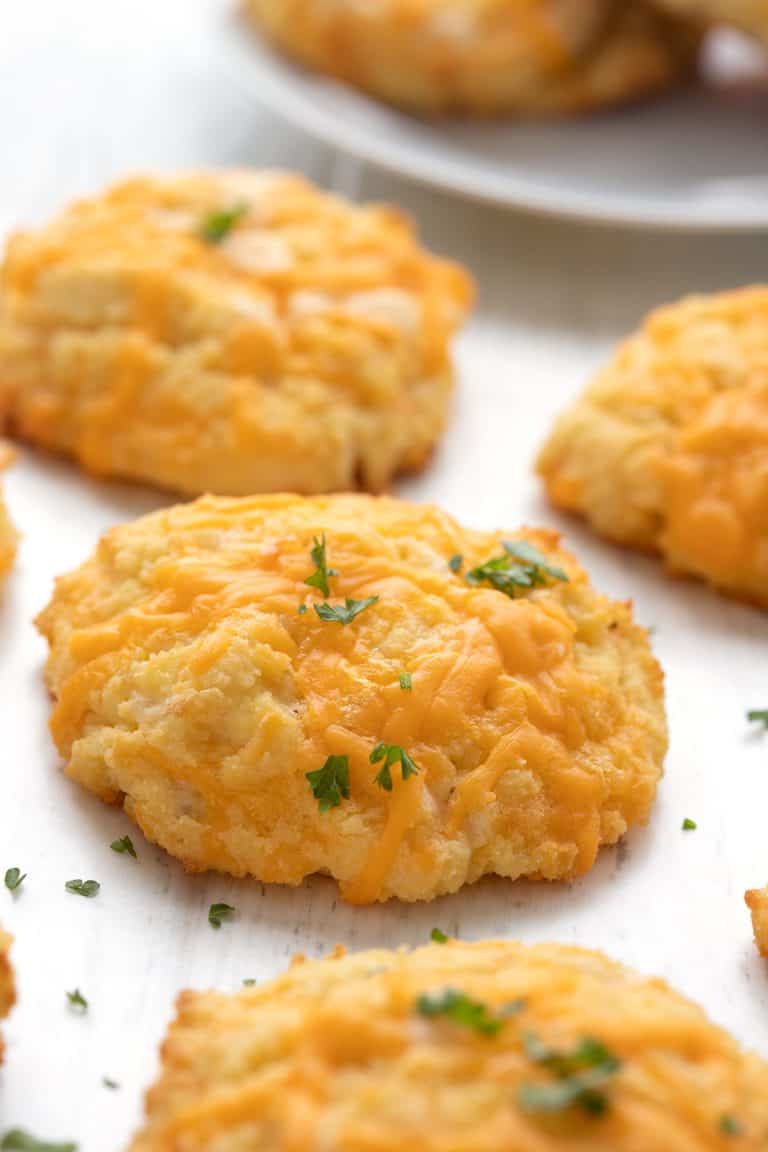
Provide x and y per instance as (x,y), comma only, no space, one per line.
(89,90)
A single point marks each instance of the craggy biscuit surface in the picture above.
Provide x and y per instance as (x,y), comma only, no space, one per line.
(668,448)
(340,1054)
(749,15)
(233,332)
(757,902)
(196,683)
(485,56)
(7,988)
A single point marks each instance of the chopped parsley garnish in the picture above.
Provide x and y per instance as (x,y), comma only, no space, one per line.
(109,1083)
(218,913)
(249,983)
(14,879)
(17,1140)
(579,1077)
(87,888)
(331,782)
(302,608)
(689,825)
(217,225)
(77,1002)
(322,573)
(406,681)
(343,614)
(438,937)
(758,716)
(519,568)
(124,846)
(392,754)
(461,1010)
(456,562)
(730,1126)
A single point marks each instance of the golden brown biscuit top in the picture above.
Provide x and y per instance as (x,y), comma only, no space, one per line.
(368,1052)
(199,619)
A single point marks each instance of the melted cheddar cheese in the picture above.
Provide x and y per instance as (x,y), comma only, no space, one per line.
(190,688)
(335,1055)
(485,56)
(306,349)
(757,902)
(668,448)
(7,989)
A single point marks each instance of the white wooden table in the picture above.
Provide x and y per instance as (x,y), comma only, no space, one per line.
(90,90)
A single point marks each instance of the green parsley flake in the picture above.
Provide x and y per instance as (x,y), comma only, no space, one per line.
(111,1084)
(579,1077)
(17,1140)
(758,716)
(14,879)
(438,937)
(302,608)
(322,573)
(217,225)
(124,846)
(249,983)
(456,562)
(218,913)
(730,1126)
(520,568)
(88,888)
(461,1010)
(77,1002)
(392,754)
(343,614)
(331,782)
(689,825)
(406,681)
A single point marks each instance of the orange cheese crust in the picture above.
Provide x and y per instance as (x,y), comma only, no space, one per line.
(335,1055)
(7,987)
(306,350)
(668,448)
(485,56)
(191,689)
(757,902)
(8,534)
(749,15)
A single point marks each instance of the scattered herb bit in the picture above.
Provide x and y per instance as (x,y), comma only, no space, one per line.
(124,846)
(302,608)
(462,1010)
(456,562)
(218,913)
(406,681)
(438,937)
(331,782)
(320,576)
(14,879)
(392,754)
(580,1075)
(520,568)
(249,983)
(730,1126)
(111,1084)
(217,225)
(87,888)
(758,716)
(689,825)
(17,1140)
(77,1002)
(343,614)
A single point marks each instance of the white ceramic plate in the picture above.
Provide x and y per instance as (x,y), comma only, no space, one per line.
(694,160)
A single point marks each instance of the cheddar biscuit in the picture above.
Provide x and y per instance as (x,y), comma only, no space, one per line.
(8,536)
(454,1048)
(485,56)
(749,15)
(7,989)
(668,448)
(279,686)
(233,332)
(757,902)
